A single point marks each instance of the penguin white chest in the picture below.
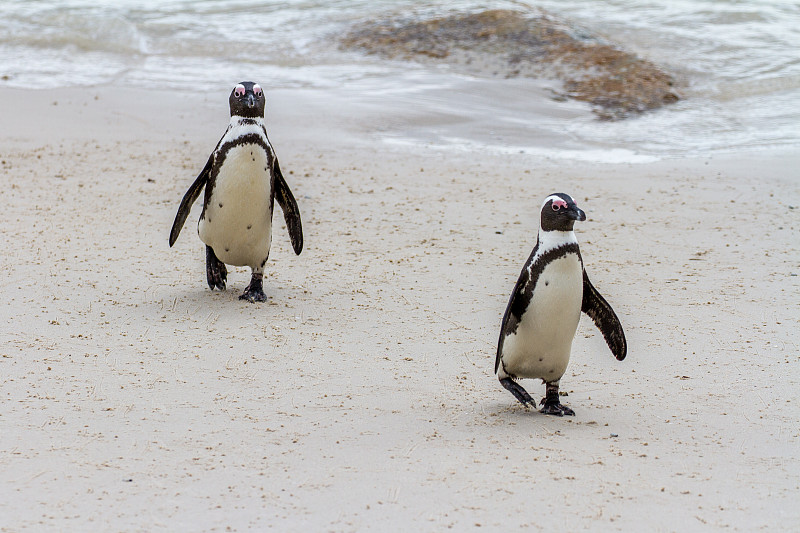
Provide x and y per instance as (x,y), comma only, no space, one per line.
(541,345)
(237,222)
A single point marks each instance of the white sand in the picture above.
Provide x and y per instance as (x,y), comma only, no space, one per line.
(361,395)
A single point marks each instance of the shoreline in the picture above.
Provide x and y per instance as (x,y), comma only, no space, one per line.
(195,117)
(137,399)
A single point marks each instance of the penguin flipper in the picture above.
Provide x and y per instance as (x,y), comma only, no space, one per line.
(189,199)
(517,304)
(603,316)
(291,213)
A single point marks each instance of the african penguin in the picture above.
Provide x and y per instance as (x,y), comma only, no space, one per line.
(544,309)
(242,180)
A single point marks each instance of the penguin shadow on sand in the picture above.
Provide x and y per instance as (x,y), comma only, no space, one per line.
(544,309)
(242,180)
(198,296)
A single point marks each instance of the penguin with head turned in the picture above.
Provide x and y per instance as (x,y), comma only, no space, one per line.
(242,180)
(543,312)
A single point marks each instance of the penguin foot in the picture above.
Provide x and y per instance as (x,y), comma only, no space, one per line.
(255,291)
(555,408)
(519,393)
(216,273)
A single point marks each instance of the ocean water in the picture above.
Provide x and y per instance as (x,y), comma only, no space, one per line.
(738,66)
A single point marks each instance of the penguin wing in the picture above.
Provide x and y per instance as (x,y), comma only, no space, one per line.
(597,308)
(189,199)
(516,307)
(291,213)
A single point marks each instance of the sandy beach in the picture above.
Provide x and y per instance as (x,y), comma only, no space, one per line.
(361,396)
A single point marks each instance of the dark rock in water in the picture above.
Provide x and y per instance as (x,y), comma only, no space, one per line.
(510,43)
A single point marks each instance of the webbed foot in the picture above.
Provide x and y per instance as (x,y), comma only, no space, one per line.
(519,393)
(555,409)
(552,402)
(255,291)
(216,273)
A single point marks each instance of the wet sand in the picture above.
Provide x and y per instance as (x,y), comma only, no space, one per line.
(361,395)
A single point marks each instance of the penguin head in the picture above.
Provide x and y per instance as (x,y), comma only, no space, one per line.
(247,100)
(559,213)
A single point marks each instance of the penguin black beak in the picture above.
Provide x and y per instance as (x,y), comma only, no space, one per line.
(250,101)
(575,213)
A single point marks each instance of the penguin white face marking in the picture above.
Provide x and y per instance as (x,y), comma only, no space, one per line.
(257,90)
(239,91)
(556,200)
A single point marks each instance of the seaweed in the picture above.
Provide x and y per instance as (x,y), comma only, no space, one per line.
(508,43)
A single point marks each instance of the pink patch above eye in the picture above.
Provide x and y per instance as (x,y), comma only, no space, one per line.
(239,90)
(558,204)
(257,90)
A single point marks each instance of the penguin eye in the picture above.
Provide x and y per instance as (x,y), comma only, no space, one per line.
(257,90)
(238,91)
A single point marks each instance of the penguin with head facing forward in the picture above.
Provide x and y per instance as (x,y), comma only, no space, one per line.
(544,309)
(242,180)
